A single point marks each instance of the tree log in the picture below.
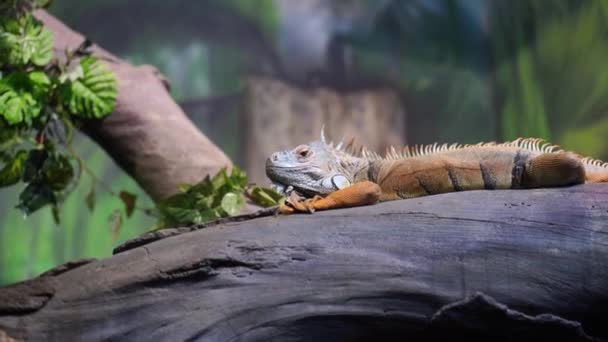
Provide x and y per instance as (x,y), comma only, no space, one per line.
(148,134)
(503,265)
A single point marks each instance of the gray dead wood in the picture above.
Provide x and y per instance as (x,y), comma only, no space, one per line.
(503,265)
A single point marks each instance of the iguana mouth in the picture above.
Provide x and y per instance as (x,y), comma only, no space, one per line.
(291,168)
(279,187)
(287,190)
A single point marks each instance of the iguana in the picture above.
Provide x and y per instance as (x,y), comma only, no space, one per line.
(319,175)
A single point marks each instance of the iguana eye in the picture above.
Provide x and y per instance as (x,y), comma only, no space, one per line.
(303,151)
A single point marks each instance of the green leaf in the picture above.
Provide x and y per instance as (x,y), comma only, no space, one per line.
(204,187)
(17,107)
(181,216)
(232,203)
(207,215)
(57,171)
(10,32)
(17,102)
(9,136)
(238,177)
(12,25)
(91,199)
(184,187)
(178,201)
(24,42)
(39,83)
(115,224)
(204,202)
(35,196)
(93,95)
(11,173)
(42,46)
(265,197)
(56,214)
(33,165)
(220,179)
(211,198)
(176,210)
(129,201)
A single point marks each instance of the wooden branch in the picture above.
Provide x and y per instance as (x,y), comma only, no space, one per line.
(501,265)
(148,135)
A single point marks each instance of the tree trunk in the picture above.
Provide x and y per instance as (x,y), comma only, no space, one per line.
(148,134)
(502,265)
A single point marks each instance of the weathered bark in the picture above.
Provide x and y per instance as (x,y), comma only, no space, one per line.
(148,134)
(504,265)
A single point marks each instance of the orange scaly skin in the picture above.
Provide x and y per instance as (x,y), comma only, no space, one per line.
(332,177)
(361,193)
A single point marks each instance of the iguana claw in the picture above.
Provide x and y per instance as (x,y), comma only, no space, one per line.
(296,203)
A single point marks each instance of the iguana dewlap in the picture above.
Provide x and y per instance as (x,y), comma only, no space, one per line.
(335,177)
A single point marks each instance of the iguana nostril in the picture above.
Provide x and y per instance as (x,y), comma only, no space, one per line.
(275,157)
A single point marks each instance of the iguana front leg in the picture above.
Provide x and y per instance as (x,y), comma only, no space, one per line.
(361,193)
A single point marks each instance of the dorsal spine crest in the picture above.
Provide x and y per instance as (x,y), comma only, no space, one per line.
(392,153)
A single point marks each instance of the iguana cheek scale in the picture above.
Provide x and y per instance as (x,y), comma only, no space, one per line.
(336,177)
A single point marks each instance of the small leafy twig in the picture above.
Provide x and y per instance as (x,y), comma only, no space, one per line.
(127,198)
(222,195)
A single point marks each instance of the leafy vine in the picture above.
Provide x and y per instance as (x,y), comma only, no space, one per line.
(42,99)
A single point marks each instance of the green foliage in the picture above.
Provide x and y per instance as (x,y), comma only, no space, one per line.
(57,171)
(16,8)
(429,52)
(41,99)
(523,109)
(128,199)
(204,201)
(552,77)
(18,100)
(571,51)
(90,90)
(265,197)
(48,174)
(23,41)
(91,199)
(588,140)
(35,196)
(13,168)
(214,197)
(30,247)
(9,136)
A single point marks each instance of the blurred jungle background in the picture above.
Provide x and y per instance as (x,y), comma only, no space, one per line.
(456,70)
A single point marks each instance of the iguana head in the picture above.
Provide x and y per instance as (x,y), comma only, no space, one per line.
(316,168)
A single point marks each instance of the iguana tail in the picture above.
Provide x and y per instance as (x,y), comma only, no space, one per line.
(596,171)
(563,168)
